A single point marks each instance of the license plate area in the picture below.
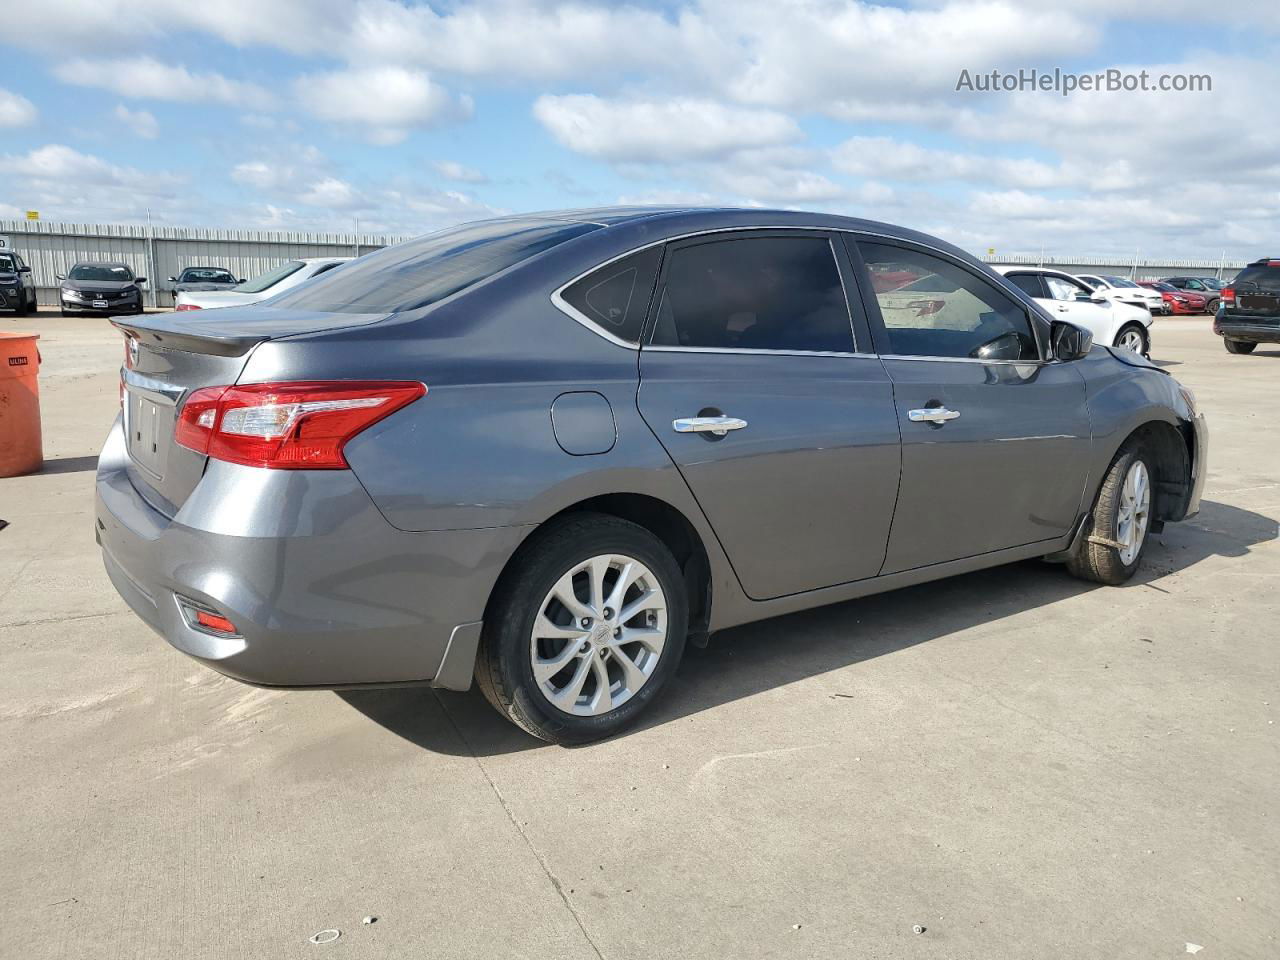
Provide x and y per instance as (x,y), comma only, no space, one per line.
(1265,302)
(100,304)
(147,418)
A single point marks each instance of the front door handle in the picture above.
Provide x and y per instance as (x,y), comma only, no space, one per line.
(932,415)
(716,425)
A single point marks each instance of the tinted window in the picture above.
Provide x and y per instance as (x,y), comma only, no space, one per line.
(938,309)
(1060,288)
(754,293)
(271,277)
(1028,283)
(616,297)
(1258,280)
(8,264)
(422,271)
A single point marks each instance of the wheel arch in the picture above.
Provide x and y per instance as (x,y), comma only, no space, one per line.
(1172,451)
(664,521)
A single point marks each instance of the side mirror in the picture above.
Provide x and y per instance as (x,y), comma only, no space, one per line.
(1069,341)
(173,279)
(1097,299)
(61,276)
(242,280)
(139,279)
(1085,298)
(24,269)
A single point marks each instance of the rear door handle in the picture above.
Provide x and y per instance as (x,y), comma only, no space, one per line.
(717,425)
(932,415)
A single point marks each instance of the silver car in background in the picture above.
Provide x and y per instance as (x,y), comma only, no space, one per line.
(547,451)
(275,281)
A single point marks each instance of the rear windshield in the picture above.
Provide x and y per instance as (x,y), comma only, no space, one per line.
(422,271)
(271,277)
(1257,280)
(100,271)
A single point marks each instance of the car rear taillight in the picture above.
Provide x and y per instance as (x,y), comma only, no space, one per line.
(287,426)
(185,306)
(1228,295)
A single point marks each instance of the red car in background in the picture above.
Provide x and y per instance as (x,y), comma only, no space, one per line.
(1178,301)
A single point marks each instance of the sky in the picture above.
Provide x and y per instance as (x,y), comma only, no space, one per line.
(403,117)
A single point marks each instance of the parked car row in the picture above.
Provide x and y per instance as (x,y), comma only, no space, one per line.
(548,452)
(108,288)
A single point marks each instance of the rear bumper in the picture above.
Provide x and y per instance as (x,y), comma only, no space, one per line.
(323,592)
(1242,329)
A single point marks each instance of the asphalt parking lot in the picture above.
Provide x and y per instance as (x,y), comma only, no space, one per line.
(1022,764)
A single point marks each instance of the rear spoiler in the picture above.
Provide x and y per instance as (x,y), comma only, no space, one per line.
(233,331)
(161,331)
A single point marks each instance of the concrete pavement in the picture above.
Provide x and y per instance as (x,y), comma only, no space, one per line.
(1021,763)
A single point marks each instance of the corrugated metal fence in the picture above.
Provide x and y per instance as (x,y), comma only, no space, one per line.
(161,252)
(158,253)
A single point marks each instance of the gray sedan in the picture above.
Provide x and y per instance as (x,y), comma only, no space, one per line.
(549,451)
(202,280)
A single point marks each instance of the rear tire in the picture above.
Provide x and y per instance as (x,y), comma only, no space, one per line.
(1115,536)
(1211,305)
(1239,346)
(536,648)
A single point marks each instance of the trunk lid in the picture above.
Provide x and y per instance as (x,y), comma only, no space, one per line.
(170,355)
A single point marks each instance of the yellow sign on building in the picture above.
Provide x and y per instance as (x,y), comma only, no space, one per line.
(33,214)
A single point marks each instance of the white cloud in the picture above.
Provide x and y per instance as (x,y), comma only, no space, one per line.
(65,184)
(670,128)
(140,122)
(148,79)
(462,174)
(15,110)
(334,194)
(387,102)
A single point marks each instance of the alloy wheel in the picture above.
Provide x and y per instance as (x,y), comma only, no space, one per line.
(1134,514)
(598,635)
(1131,340)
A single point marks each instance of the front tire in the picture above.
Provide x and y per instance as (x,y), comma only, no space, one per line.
(1116,534)
(1239,346)
(585,630)
(1133,337)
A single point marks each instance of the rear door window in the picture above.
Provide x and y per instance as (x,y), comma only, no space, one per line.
(1028,283)
(778,293)
(422,271)
(615,297)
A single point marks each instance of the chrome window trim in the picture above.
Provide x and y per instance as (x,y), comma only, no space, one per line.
(987,363)
(751,351)
(564,307)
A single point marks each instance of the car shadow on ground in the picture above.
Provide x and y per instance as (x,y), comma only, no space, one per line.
(761,656)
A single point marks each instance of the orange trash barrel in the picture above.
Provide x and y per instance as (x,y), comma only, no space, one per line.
(21,450)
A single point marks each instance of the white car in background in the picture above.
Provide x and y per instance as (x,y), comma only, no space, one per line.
(1112,322)
(288,274)
(1125,291)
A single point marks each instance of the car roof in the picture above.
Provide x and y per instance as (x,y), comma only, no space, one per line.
(321,259)
(624,225)
(99,263)
(1009,268)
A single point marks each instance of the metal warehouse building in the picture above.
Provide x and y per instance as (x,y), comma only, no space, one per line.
(158,253)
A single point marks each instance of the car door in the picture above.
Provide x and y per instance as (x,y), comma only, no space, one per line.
(1071,300)
(995,440)
(753,381)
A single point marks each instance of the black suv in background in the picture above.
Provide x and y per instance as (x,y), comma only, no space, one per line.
(1250,309)
(17,289)
(1207,287)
